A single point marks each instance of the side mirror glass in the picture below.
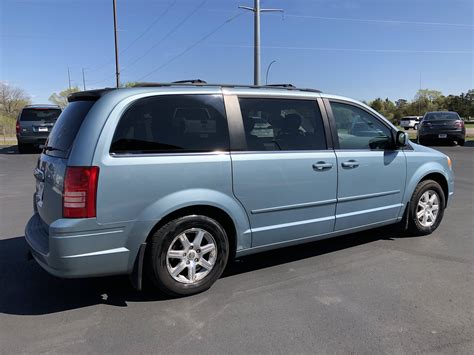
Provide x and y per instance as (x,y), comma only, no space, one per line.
(401,139)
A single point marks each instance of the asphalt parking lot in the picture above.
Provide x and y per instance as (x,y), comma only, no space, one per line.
(370,292)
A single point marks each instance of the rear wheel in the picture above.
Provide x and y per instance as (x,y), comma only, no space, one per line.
(407,128)
(426,208)
(415,127)
(187,255)
(22,148)
(461,142)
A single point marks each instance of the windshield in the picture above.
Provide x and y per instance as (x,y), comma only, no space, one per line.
(39,114)
(65,130)
(435,116)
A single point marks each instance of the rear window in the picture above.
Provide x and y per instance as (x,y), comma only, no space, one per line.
(65,130)
(173,123)
(441,116)
(39,114)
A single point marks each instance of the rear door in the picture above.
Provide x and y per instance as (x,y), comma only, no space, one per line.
(51,166)
(371,174)
(283,173)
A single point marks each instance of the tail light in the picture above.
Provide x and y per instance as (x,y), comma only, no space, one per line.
(459,124)
(80,190)
(17,127)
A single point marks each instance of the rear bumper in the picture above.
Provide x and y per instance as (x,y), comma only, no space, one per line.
(39,139)
(450,135)
(71,249)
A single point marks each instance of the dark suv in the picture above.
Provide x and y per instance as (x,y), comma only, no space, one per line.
(441,126)
(34,124)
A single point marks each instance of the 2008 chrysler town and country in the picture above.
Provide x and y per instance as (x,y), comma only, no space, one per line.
(176,179)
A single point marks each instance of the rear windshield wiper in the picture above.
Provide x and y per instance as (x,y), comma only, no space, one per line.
(48,148)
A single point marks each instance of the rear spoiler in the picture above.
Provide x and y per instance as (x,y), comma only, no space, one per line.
(89,95)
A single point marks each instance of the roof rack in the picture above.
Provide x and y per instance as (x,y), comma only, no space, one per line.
(199,82)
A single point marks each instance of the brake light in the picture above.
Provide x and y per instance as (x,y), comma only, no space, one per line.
(17,127)
(80,190)
(459,124)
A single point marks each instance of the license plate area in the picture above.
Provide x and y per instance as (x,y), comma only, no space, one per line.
(442,135)
(42,129)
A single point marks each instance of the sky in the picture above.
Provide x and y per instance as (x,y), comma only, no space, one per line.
(358,48)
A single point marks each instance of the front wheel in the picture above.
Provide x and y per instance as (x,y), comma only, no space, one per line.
(426,208)
(188,255)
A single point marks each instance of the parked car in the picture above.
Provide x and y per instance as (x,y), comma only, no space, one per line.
(443,126)
(34,124)
(410,122)
(177,179)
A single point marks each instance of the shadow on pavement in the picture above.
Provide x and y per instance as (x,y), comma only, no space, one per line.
(13,149)
(26,289)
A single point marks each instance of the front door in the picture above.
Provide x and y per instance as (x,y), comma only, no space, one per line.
(371,174)
(286,178)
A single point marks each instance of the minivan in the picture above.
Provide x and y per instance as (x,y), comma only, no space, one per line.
(34,124)
(171,181)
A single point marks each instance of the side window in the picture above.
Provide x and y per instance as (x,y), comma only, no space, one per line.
(358,129)
(173,123)
(282,124)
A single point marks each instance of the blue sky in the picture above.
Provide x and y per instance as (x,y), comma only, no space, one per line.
(357,48)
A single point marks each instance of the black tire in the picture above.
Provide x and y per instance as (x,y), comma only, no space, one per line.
(461,142)
(414,225)
(422,141)
(415,127)
(161,240)
(22,148)
(406,128)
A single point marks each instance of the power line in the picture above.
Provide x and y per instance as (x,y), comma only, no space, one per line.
(192,46)
(171,32)
(396,22)
(153,23)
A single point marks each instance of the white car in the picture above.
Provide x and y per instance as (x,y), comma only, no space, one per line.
(410,122)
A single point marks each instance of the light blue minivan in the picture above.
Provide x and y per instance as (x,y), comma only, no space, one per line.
(173,180)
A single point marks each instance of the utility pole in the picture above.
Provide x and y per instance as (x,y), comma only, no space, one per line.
(256,11)
(117,70)
(69,77)
(83,79)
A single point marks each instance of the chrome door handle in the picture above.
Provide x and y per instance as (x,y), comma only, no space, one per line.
(350,164)
(322,165)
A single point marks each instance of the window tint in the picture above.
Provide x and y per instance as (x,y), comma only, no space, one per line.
(174,123)
(282,124)
(358,129)
(38,114)
(65,129)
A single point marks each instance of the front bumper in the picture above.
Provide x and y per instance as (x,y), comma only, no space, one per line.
(70,248)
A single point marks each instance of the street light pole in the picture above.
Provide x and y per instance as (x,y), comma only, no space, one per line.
(117,70)
(256,60)
(268,69)
(83,79)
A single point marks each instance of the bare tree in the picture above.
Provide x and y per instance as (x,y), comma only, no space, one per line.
(12,99)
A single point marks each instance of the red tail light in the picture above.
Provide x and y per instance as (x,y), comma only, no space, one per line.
(459,124)
(17,127)
(80,190)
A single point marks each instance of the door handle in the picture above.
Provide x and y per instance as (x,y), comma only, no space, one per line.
(322,165)
(351,164)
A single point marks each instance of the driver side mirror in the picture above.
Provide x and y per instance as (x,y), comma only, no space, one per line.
(401,139)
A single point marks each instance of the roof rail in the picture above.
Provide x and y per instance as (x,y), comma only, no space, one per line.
(281,85)
(192,81)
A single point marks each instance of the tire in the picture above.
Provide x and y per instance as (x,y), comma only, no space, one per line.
(426,188)
(406,128)
(461,142)
(415,127)
(22,148)
(160,265)
(422,141)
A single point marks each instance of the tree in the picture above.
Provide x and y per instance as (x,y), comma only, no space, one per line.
(61,98)
(12,99)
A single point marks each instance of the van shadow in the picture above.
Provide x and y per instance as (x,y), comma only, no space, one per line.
(28,290)
(13,149)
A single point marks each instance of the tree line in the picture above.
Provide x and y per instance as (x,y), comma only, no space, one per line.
(425,100)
